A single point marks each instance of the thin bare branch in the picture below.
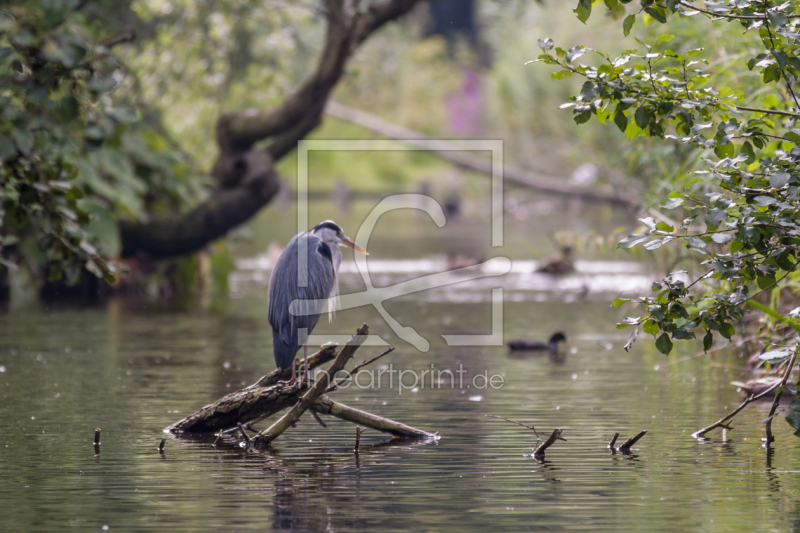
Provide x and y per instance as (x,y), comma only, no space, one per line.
(750,399)
(517,423)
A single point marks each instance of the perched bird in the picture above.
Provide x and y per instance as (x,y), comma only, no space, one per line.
(551,345)
(311,288)
(559,265)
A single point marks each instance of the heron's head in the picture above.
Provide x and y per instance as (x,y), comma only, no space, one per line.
(330,233)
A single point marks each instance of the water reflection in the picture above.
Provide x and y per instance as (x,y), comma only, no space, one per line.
(133,368)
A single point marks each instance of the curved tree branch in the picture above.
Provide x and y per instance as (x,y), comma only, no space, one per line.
(245,173)
(239,131)
(186,233)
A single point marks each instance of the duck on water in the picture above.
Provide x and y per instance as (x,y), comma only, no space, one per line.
(551,345)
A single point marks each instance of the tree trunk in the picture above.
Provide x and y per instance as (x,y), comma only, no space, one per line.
(246,173)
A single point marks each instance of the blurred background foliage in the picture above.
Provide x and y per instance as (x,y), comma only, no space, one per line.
(136,136)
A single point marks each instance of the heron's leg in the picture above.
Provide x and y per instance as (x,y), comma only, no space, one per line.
(293,380)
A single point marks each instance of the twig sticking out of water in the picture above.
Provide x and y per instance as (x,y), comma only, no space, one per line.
(517,423)
(96,437)
(626,446)
(722,422)
(770,437)
(219,436)
(161,446)
(556,435)
(358,439)
(613,441)
(244,433)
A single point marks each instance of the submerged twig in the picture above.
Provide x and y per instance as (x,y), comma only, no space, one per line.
(517,423)
(613,441)
(750,399)
(626,446)
(556,435)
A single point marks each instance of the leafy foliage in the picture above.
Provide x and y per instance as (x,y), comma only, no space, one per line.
(72,161)
(740,210)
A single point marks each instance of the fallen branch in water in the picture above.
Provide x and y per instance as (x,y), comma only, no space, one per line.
(626,446)
(613,441)
(317,389)
(556,435)
(750,399)
(269,396)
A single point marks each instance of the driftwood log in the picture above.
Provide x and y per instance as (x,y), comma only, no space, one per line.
(270,395)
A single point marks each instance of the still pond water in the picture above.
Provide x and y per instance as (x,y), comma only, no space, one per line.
(132,368)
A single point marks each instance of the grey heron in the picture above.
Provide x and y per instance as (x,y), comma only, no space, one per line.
(310,287)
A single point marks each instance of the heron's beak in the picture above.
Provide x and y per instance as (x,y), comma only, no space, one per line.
(350,244)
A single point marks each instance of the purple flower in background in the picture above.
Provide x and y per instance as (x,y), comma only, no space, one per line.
(464,107)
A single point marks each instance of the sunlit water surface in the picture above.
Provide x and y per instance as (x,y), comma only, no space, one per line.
(133,368)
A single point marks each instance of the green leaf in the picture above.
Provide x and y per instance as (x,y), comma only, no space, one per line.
(664,344)
(722,238)
(764,201)
(650,327)
(583,10)
(657,13)
(716,216)
(611,4)
(619,301)
(575,52)
(779,179)
(621,120)
(727,330)
(708,339)
(671,203)
(665,38)
(632,240)
(627,24)
(631,339)
(663,226)
(643,116)
(775,357)
(793,415)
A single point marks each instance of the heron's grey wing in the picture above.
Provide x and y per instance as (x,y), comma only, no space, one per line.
(284,289)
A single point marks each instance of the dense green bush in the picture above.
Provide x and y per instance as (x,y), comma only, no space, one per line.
(72,160)
(738,209)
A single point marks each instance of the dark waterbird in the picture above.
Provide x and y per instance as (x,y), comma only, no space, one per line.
(551,345)
(565,264)
(316,284)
